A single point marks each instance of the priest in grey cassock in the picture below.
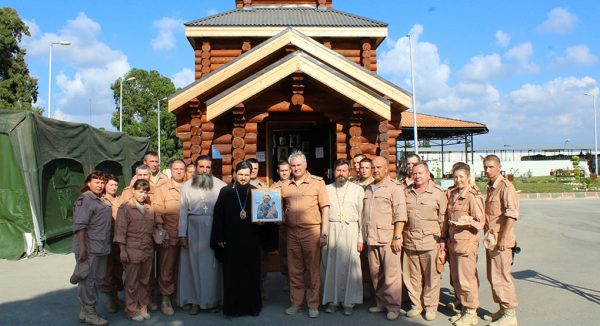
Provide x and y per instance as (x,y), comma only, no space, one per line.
(237,242)
(341,276)
(199,272)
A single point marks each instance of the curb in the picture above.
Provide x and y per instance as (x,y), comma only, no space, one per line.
(560,195)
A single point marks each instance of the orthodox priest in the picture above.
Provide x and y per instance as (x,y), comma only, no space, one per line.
(236,241)
(199,273)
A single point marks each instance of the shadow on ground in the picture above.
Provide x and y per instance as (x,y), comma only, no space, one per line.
(62,307)
(539,278)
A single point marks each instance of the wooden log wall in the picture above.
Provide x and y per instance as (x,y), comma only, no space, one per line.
(202,59)
(355,131)
(297,89)
(340,144)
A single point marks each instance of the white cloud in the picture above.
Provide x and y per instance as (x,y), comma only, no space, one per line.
(543,113)
(183,78)
(95,67)
(502,38)
(34,29)
(165,40)
(431,75)
(559,21)
(522,54)
(579,55)
(555,108)
(482,68)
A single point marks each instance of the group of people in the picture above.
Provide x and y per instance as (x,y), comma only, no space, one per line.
(190,237)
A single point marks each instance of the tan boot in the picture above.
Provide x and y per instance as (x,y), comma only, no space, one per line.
(494,316)
(166,307)
(509,318)
(82,314)
(469,318)
(92,317)
(457,316)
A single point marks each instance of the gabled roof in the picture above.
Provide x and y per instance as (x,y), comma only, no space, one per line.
(398,96)
(297,62)
(285,16)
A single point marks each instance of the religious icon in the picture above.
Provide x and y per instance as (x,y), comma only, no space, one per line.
(294,140)
(266,205)
(282,153)
(282,140)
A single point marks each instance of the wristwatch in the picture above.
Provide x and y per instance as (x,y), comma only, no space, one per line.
(324,236)
(397,237)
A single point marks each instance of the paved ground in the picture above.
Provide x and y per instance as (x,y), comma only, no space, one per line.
(556,276)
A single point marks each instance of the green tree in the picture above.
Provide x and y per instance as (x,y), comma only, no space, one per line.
(140,118)
(18,90)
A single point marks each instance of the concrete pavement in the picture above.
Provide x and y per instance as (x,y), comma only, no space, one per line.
(556,276)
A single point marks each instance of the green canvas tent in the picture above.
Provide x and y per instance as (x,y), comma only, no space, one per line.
(43,163)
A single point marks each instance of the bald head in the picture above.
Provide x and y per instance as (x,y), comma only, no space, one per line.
(380,168)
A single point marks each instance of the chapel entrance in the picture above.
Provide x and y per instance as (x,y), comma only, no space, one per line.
(314,137)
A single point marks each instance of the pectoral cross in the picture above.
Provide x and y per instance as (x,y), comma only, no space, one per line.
(205,208)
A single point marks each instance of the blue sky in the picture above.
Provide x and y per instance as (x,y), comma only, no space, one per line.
(521,67)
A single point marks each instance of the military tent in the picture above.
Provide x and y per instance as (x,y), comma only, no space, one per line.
(42,168)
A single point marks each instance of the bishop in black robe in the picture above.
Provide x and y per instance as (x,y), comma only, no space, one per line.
(240,250)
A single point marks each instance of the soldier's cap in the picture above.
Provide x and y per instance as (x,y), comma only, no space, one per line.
(82,270)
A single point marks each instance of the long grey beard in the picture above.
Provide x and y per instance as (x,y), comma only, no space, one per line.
(202,181)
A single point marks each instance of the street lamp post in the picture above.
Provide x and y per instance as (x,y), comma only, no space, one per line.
(50,74)
(158,104)
(414,101)
(121,102)
(595,130)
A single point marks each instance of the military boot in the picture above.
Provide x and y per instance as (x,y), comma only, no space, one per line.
(457,316)
(469,318)
(494,316)
(166,306)
(509,318)
(92,317)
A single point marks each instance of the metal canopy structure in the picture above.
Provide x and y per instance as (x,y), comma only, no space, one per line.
(437,131)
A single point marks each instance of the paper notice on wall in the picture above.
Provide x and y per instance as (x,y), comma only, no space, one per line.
(216,154)
(319,152)
(260,156)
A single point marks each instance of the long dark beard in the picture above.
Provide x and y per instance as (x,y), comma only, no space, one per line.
(202,181)
(341,181)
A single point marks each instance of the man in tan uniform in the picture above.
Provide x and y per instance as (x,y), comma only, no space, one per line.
(501,213)
(156,177)
(424,237)
(384,215)
(142,172)
(411,160)
(366,172)
(254,174)
(356,167)
(305,204)
(283,169)
(341,276)
(167,201)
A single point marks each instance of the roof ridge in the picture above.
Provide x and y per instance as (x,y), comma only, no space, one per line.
(316,13)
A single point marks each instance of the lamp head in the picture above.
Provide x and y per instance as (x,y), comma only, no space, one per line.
(130,79)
